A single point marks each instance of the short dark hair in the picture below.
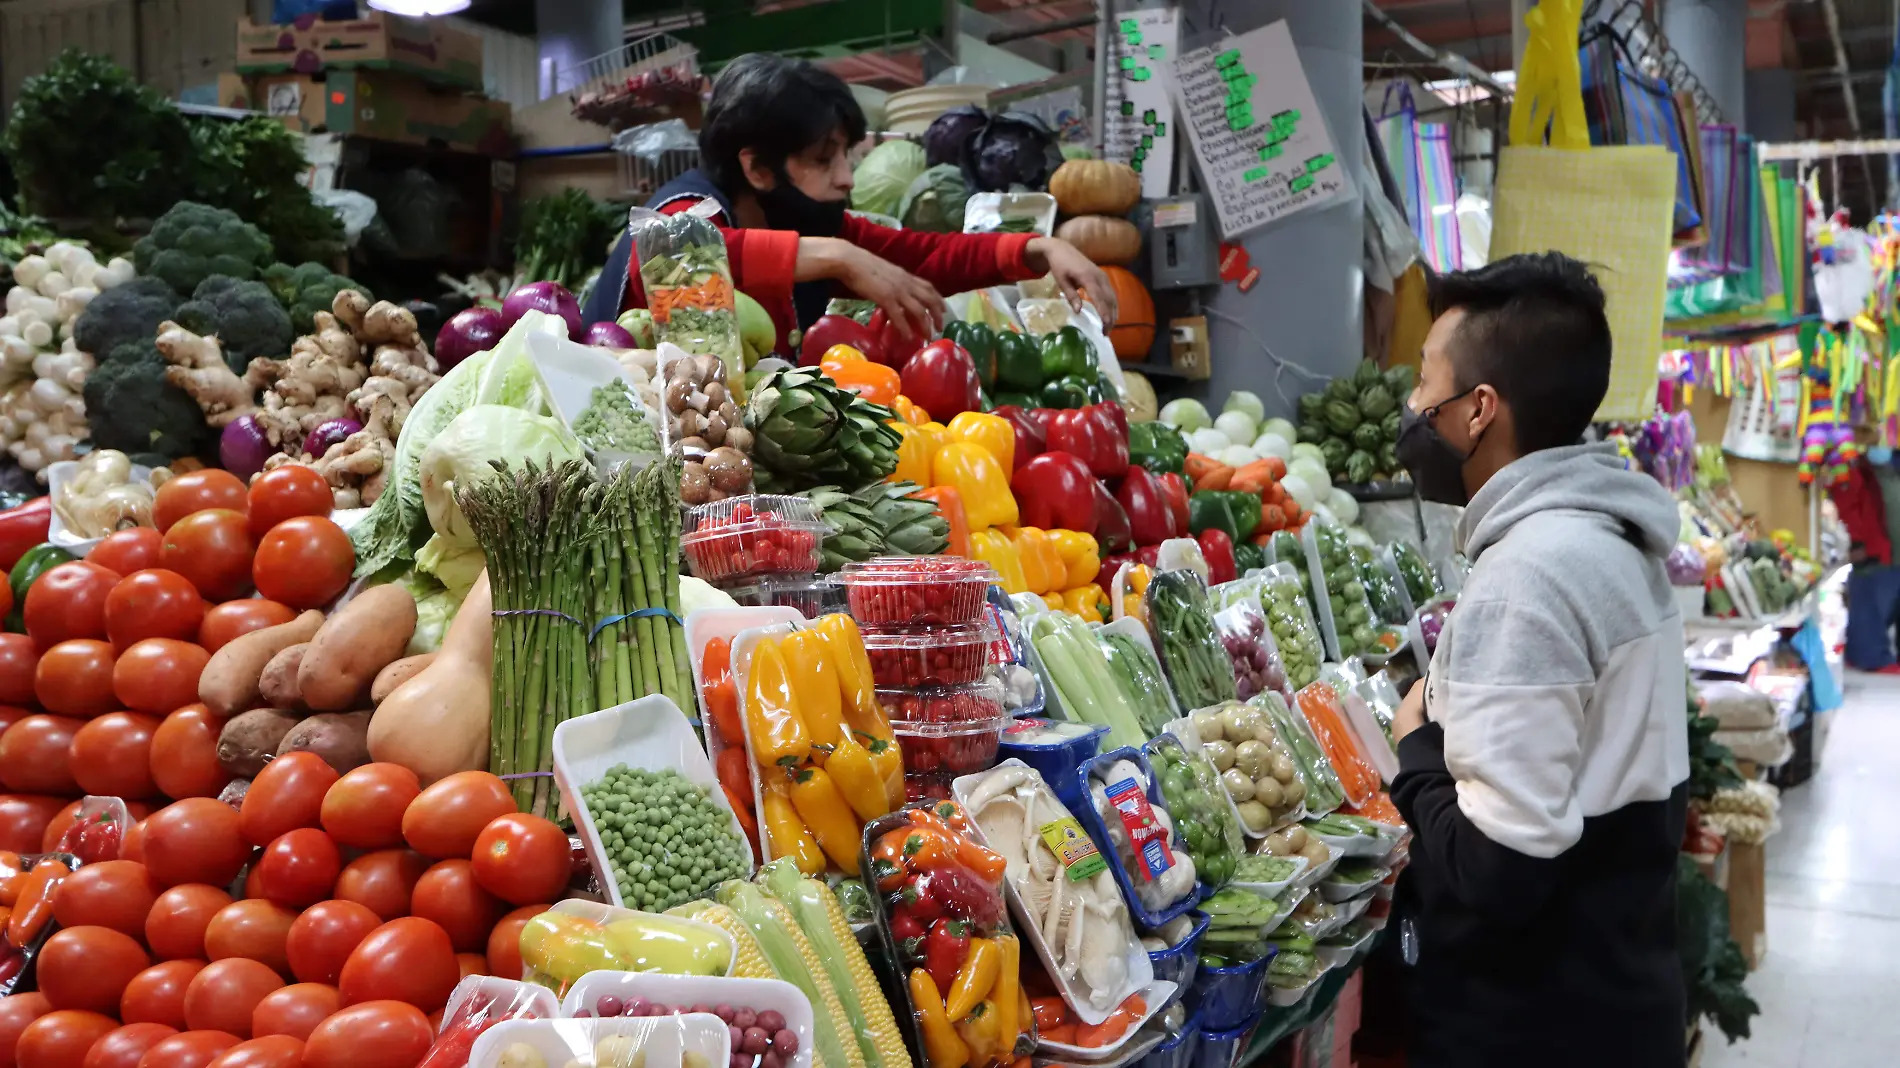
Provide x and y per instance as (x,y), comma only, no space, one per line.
(777,107)
(1534,330)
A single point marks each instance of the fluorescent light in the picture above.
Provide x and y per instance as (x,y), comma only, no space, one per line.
(420,8)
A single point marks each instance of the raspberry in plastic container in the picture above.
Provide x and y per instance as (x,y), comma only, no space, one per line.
(812,595)
(929,656)
(758,534)
(977,702)
(949,748)
(897,591)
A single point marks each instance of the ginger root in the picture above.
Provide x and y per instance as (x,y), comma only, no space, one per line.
(198,368)
(357,468)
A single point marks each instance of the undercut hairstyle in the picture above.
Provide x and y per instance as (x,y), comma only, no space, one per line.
(1535,331)
(777,107)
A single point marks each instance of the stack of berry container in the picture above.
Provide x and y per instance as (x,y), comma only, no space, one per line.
(928,634)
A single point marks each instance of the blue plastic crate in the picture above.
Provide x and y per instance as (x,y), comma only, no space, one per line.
(1219,1049)
(1231,995)
(1055,761)
(1178,963)
(1084,810)
(1177,1051)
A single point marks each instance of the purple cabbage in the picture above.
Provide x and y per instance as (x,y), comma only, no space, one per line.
(467,333)
(608,335)
(243,447)
(550,297)
(1685,566)
(328,433)
(949,135)
(1013,148)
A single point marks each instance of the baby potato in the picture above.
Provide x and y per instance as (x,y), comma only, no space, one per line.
(1268,793)
(1252,758)
(1296,838)
(1282,768)
(1239,786)
(619,1051)
(1293,790)
(1221,753)
(520,1055)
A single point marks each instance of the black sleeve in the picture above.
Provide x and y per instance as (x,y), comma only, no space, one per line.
(1483,875)
(603,304)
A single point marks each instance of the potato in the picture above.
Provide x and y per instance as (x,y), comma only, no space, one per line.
(278,683)
(361,639)
(342,740)
(1316,852)
(520,1055)
(1296,839)
(396,674)
(1268,792)
(248,742)
(230,681)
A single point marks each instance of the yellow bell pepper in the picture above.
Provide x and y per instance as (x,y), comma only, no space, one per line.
(1088,601)
(1081,556)
(825,811)
(1054,601)
(914,453)
(909,412)
(991,432)
(983,483)
(815,686)
(773,724)
(785,833)
(842,354)
(1043,569)
(995,550)
(858,778)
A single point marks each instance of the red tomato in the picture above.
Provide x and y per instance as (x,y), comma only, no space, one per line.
(18,657)
(24,819)
(61,1039)
(234,619)
(304,562)
(363,810)
(383,881)
(523,859)
(449,895)
(123,1048)
(158,675)
(295,1010)
(287,491)
(373,1034)
(222,995)
(188,1049)
(74,678)
(252,929)
(16,1011)
(11,714)
(286,795)
(212,549)
(112,756)
(195,491)
(128,550)
(445,819)
(89,967)
(157,994)
(33,755)
(504,942)
(324,936)
(274,1051)
(68,601)
(133,848)
(471,964)
(409,960)
(185,754)
(193,841)
(175,928)
(154,603)
(111,893)
(299,868)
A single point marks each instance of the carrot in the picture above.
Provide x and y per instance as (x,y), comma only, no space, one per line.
(1218,479)
(1274,493)
(1198,465)
(1064,1034)
(1252,477)
(1276,465)
(1049,1013)
(1272,518)
(1320,705)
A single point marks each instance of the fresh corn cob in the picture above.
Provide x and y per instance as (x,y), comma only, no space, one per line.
(748,961)
(784,945)
(822,921)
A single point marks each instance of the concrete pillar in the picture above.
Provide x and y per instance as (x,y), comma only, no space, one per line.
(1770,95)
(574,31)
(1711,37)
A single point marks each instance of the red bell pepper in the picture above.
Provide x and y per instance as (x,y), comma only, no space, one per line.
(1150,519)
(896,346)
(1105,578)
(832,330)
(22,528)
(1119,415)
(1111,521)
(1055,491)
(1150,555)
(1177,491)
(1030,439)
(1218,550)
(941,378)
(1093,434)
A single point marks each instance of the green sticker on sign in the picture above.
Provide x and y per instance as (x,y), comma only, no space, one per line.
(1139,74)
(1147,140)
(1128,107)
(1272,151)
(1156,51)
(1227,58)
(1129,26)
(1318,163)
(1161,129)
(1148,117)
(1128,62)
(1256,174)
(1301,184)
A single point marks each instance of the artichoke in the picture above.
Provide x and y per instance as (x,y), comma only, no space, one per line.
(1389,426)
(1335,450)
(855,533)
(1400,380)
(1311,433)
(912,526)
(1368,437)
(1310,405)
(1367,375)
(1341,416)
(1376,401)
(1389,457)
(808,432)
(1342,390)
(1360,466)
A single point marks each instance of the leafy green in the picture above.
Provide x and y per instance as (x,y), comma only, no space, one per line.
(881,178)
(87,140)
(1712,964)
(565,237)
(254,167)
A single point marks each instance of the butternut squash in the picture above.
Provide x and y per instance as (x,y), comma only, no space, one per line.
(436,724)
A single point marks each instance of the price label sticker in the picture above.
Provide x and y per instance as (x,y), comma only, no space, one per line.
(1073,848)
(1145,833)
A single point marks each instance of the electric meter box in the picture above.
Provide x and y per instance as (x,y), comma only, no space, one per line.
(1183,250)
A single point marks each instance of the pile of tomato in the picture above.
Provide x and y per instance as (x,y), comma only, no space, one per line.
(360,901)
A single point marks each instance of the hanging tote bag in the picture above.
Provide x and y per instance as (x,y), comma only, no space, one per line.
(1691,140)
(1438,198)
(1397,126)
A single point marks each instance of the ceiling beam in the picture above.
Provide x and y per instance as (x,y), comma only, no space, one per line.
(1444,32)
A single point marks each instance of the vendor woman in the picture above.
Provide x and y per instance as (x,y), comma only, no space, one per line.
(773,158)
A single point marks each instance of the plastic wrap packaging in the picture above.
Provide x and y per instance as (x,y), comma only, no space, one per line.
(759,534)
(575,937)
(702,424)
(97,831)
(36,878)
(1256,768)
(478,1003)
(690,1040)
(1384,590)
(1686,566)
(688,281)
(1323,792)
(1295,635)
(1202,812)
(1382,701)
(1345,612)
(1736,706)
(1770,748)
(1426,625)
(1415,572)
(1128,818)
(1132,660)
(1087,687)
(1181,625)
(1250,647)
(1319,705)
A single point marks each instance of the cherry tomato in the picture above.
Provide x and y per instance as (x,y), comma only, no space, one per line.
(123,1047)
(287,491)
(286,795)
(253,929)
(409,960)
(445,819)
(504,942)
(212,549)
(153,603)
(373,1034)
(157,994)
(304,562)
(382,881)
(222,995)
(324,936)
(74,678)
(128,550)
(111,893)
(185,754)
(61,1038)
(16,1011)
(523,858)
(175,928)
(273,1051)
(195,491)
(33,755)
(449,894)
(24,819)
(188,1049)
(68,601)
(295,1010)
(193,841)
(112,756)
(298,868)
(363,809)
(234,619)
(88,967)
(18,657)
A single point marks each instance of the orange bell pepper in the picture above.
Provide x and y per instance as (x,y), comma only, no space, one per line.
(1088,601)
(1043,568)
(950,506)
(841,354)
(872,381)
(909,412)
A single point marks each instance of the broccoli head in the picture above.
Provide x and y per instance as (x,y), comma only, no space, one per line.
(131,407)
(306,289)
(245,315)
(124,314)
(192,242)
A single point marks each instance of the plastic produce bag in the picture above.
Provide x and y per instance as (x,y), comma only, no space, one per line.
(1382,700)
(1138,674)
(1323,792)
(1256,766)
(1345,612)
(1415,572)
(1195,798)
(1319,705)
(478,1003)
(1386,593)
(1181,625)
(1295,635)
(1249,644)
(688,283)
(1153,869)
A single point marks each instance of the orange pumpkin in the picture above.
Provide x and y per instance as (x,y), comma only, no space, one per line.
(1134,331)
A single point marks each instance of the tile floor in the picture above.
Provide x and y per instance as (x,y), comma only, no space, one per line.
(1829,986)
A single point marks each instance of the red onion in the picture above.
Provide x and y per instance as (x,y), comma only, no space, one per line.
(608,335)
(550,297)
(328,433)
(467,333)
(243,447)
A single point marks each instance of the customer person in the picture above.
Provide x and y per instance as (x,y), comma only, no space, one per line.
(773,160)
(1544,756)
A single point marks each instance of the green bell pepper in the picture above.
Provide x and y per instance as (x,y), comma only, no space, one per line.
(1249,556)
(980,342)
(1158,447)
(1245,508)
(1208,508)
(1024,401)
(1018,363)
(1069,391)
(1066,352)
(36,562)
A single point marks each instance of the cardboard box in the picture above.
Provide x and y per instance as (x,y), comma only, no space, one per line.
(1748,901)
(378,104)
(428,48)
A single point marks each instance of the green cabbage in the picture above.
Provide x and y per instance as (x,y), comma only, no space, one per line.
(1241,400)
(461,456)
(934,201)
(1186,414)
(436,606)
(884,174)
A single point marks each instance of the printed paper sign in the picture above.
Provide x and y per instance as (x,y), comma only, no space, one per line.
(1138,115)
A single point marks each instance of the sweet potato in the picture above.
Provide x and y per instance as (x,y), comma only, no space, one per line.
(278,683)
(229,683)
(341,739)
(361,639)
(248,742)
(396,674)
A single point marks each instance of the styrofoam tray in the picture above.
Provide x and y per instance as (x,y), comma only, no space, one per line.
(1300,864)
(1339,956)
(1140,968)
(1334,892)
(1316,872)
(664,1039)
(1132,627)
(537,1002)
(742,646)
(56,533)
(650,733)
(1276,996)
(1138,1045)
(688,990)
(1371,740)
(1351,845)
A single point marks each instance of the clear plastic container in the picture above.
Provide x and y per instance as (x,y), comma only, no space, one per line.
(813,595)
(976,702)
(757,534)
(948,748)
(929,656)
(1054,748)
(1192,791)
(898,591)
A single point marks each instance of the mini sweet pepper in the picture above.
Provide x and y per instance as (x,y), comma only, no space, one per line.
(872,381)
(774,725)
(987,501)
(991,432)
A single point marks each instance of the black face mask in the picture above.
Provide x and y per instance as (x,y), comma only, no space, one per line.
(787,207)
(1437,467)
